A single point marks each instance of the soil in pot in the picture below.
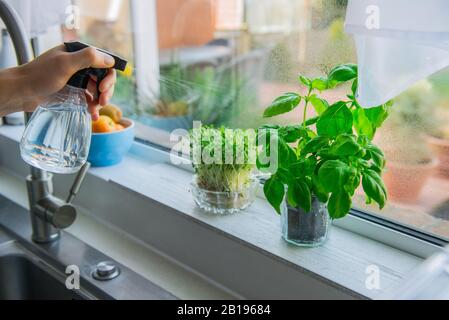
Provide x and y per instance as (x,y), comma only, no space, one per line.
(307,229)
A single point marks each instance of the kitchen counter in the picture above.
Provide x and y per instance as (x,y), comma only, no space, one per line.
(132,253)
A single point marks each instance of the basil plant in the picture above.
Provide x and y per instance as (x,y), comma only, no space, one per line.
(330,155)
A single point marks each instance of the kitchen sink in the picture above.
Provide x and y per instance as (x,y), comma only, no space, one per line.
(26,276)
(31,271)
(22,279)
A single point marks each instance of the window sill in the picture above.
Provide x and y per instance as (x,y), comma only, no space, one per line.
(149,199)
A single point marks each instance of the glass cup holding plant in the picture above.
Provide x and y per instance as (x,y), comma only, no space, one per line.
(224,161)
(324,159)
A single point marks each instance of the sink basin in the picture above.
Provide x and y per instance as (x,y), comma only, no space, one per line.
(22,279)
(30,271)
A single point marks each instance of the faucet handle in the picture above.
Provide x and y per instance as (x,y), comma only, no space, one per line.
(78,181)
(64,216)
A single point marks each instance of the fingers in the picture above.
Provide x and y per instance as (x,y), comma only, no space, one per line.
(92,101)
(92,105)
(109,81)
(92,90)
(91,57)
(93,110)
(106,96)
(106,87)
(95,99)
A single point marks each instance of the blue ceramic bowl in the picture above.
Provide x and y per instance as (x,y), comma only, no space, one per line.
(108,149)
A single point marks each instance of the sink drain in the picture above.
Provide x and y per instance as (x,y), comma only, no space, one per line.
(105,271)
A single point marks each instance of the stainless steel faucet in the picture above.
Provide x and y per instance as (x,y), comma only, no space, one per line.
(49,214)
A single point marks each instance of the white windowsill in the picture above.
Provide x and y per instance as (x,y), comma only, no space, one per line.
(149,199)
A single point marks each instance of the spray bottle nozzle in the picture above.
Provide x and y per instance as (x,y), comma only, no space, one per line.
(81,78)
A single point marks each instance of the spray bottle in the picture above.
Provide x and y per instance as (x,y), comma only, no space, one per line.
(57,137)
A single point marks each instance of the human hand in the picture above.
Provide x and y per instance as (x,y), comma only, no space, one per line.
(51,71)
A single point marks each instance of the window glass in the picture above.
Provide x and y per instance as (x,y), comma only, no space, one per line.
(222,62)
(415,141)
(107,25)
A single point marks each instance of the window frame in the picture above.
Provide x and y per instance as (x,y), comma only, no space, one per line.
(145,46)
(362,222)
(392,233)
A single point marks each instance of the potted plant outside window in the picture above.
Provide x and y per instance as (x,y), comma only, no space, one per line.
(439,143)
(171,108)
(410,161)
(212,95)
(439,137)
(324,159)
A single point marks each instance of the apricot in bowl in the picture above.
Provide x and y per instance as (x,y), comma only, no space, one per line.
(109,148)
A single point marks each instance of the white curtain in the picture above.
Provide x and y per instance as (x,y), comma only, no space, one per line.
(40,15)
(399,42)
(104,10)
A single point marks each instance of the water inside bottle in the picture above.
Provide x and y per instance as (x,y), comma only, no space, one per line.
(57,138)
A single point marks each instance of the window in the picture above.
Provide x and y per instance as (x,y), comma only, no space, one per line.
(222,61)
(107,24)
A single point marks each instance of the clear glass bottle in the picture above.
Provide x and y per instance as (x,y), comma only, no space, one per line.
(57,138)
(305,229)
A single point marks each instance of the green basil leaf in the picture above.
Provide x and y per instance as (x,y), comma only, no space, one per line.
(352,184)
(320,105)
(300,195)
(267,127)
(312,121)
(311,134)
(374,187)
(315,145)
(362,123)
(320,84)
(376,155)
(343,73)
(377,115)
(298,169)
(333,175)
(303,167)
(363,140)
(291,199)
(318,190)
(286,155)
(372,147)
(274,192)
(283,104)
(337,119)
(291,134)
(339,205)
(345,146)
(368,201)
(283,175)
(354,87)
(331,84)
(305,81)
